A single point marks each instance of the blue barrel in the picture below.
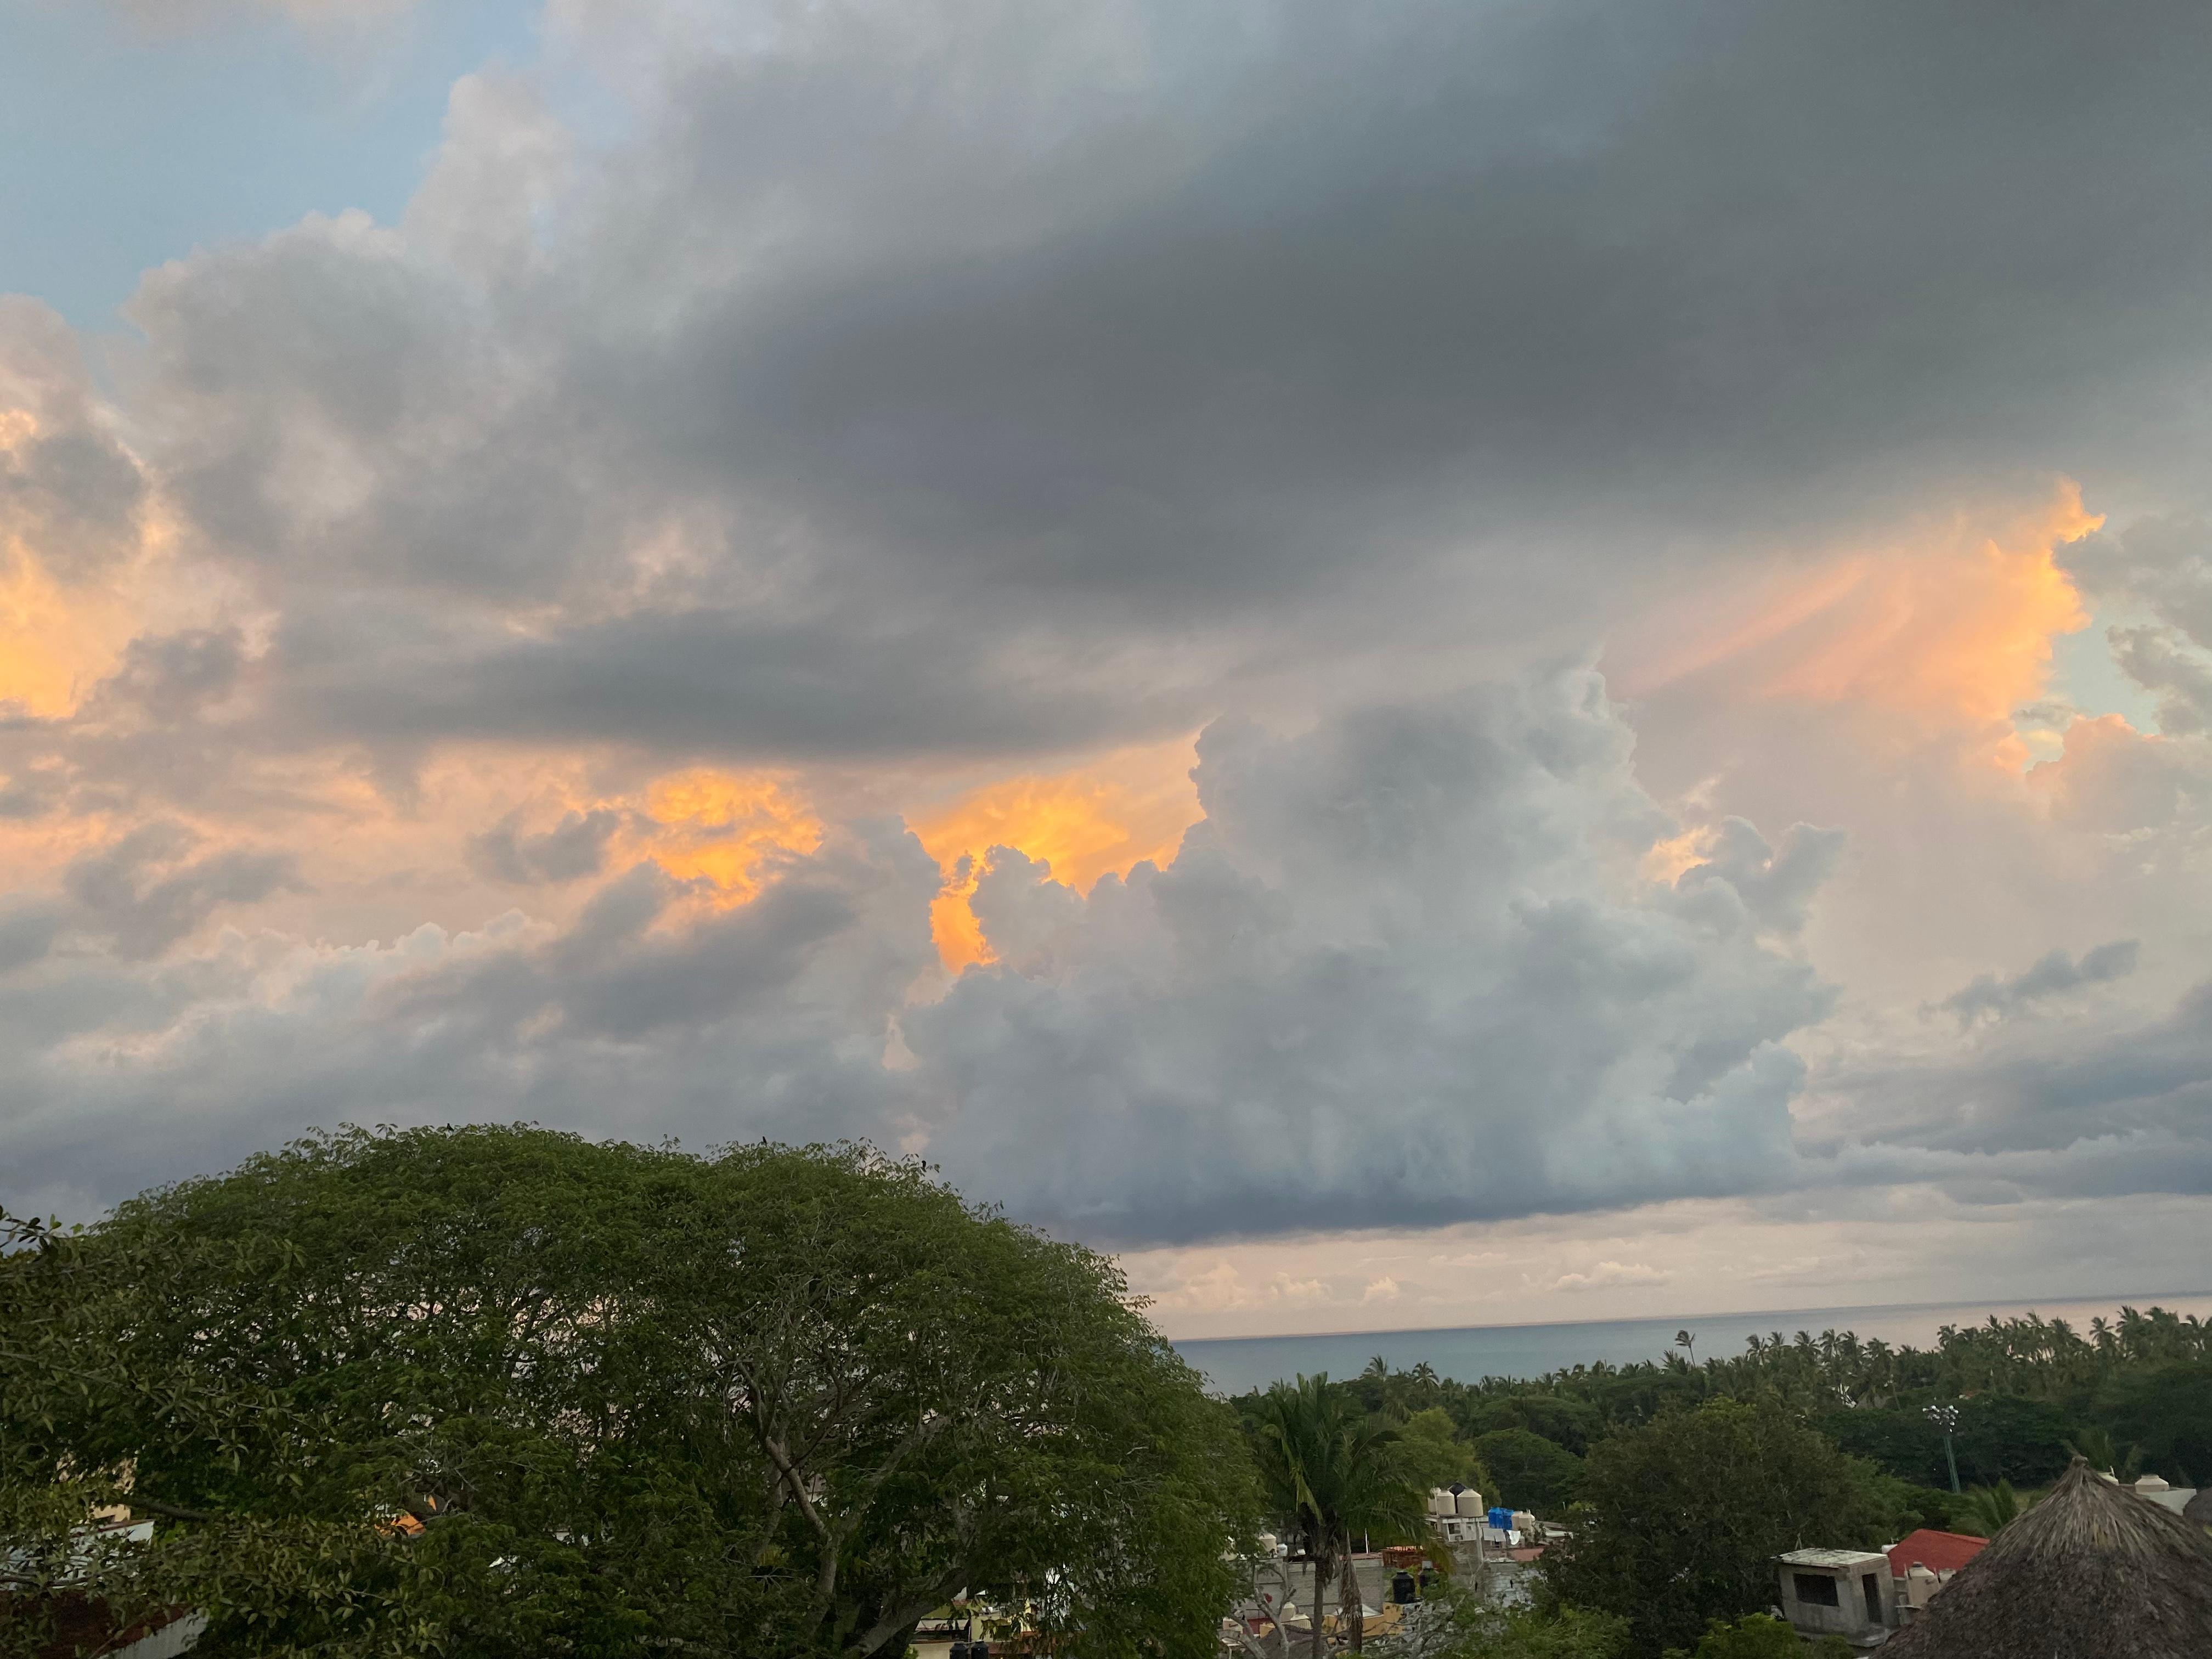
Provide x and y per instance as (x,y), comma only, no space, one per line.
(1501,1519)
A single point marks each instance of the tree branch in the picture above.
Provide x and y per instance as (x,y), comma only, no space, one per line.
(903,1615)
(168,1511)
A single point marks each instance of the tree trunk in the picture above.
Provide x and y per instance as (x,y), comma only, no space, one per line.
(1321,1600)
(1354,1608)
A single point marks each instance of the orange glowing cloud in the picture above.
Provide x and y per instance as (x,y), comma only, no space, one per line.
(1103,818)
(54,642)
(725,827)
(1955,625)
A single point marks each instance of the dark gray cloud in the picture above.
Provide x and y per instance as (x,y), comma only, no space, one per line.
(574,846)
(894,362)
(2122,1106)
(1992,998)
(1403,971)
(28,929)
(146,891)
(910,384)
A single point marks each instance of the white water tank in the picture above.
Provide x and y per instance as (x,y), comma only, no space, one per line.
(1470,1502)
(1523,1521)
(1440,1502)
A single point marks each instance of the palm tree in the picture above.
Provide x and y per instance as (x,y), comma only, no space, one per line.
(1332,1471)
(2095,1443)
(1990,1510)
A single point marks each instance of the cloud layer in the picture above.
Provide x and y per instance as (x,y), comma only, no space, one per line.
(700,626)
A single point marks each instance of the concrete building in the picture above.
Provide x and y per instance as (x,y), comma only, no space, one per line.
(1844,1593)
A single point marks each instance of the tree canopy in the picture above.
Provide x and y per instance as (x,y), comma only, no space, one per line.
(508,1392)
(1531,1473)
(1682,1518)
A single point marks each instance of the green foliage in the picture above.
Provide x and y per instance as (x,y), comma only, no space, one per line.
(1683,1518)
(777,1402)
(2013,1438)
(1929,1506)
(1761,1636)
(1531,1472)
(1433,1455)
(1563,1420)
(1901,1441)
(2166,1412)
(2095,1443)
(1988,1511)
(1330,1471)
(1455,1626)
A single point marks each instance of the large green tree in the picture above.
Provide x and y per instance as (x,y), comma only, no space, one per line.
(1681,1519)
(506,1392)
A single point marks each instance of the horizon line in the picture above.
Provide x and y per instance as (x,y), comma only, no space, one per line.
(2029,1302)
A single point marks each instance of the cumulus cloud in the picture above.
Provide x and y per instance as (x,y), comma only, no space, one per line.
(1392,976)
(1992,998)
(1402,969)
(2160,660)
(1776,886)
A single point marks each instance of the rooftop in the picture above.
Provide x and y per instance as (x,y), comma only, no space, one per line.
(1831,1558)
(1938,1552)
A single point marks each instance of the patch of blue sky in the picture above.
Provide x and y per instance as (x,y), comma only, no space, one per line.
(2085,680)
(126,144)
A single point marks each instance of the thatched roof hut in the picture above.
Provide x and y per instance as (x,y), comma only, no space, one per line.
(2093,1569)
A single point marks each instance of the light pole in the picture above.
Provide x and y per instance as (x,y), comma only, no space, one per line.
(1946,1418)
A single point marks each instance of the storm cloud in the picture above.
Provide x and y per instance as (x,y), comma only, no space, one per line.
(1678,537)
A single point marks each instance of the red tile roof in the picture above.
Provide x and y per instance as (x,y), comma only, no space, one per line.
(1939,1551)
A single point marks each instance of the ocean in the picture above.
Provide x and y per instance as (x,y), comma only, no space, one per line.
(1469,1353)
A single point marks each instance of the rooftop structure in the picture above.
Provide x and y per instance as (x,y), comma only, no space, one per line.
(1938,1552)
(1837,1592)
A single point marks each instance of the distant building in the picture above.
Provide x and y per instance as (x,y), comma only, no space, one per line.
(1843,1593)
(2177,1499)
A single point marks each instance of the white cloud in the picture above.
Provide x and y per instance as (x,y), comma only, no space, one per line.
(1606,1274)
(1404,971)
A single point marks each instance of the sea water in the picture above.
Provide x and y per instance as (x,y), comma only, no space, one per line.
(1469,1353)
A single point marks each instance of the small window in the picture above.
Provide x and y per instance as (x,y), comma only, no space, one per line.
(1813,1590)
(1873,1598)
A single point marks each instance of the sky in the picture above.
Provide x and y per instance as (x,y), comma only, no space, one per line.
(1415,664)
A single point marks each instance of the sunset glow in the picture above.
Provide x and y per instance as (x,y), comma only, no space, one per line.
(1106,818)
(726,827)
